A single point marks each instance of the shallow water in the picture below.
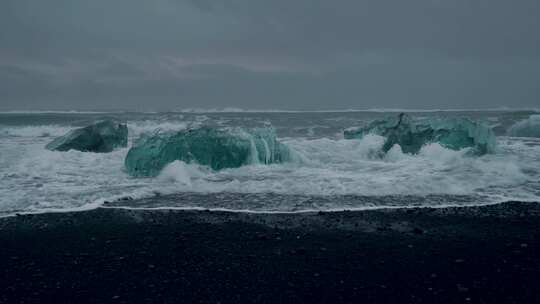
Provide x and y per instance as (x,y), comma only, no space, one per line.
(328,172)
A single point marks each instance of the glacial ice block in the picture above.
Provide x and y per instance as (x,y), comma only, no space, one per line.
(212,147)
(101,137)
(529,127)
(411,135)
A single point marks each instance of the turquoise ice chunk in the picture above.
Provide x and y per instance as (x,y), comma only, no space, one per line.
(100,137)
(212,147)
(412,135)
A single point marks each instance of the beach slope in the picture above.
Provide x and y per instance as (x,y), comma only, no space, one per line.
(487,254)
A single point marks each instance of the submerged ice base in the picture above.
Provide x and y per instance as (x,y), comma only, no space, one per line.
(100,137)
(411,135)
(215,148)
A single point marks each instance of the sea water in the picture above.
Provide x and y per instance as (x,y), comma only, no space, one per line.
(327,173)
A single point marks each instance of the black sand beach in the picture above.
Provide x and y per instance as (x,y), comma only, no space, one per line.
(455,255)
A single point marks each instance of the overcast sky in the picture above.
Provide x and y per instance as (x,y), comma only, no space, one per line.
(268,54)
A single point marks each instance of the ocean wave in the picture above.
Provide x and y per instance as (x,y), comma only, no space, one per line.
(135,128)
(529,127)
(376,110)
(53,112)
(244,110)
(34,131)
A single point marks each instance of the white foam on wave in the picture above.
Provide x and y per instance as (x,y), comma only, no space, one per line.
(180,173)
(34,131)
(529,127)
(136,128)
(150,126)
(353,167)
(35,179)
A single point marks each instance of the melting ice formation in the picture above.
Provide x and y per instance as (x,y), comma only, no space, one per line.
(101,137)
(529,127)
(411,135)
(212,147)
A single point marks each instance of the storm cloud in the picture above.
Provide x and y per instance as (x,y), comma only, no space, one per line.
(280,54)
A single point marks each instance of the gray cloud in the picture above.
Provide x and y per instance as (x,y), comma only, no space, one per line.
(304,54)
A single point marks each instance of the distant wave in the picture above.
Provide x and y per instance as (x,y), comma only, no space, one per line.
(34,131)
(240,110)
(391,110)
(135,129)
(52,112)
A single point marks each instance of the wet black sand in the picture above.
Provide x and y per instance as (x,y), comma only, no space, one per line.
(455,255)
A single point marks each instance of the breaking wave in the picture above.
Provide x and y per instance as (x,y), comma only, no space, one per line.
(529,127)
(135,129)
(35,131)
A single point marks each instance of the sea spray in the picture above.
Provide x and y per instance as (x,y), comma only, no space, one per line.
(529,127)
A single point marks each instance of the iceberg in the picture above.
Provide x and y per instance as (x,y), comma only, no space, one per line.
(529,127)
(101,137)
(411,135)
(212,147)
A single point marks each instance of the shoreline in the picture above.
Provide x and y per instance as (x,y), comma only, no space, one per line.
(109,205)
(484,254)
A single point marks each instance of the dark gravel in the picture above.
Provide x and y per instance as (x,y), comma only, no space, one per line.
(454,255)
